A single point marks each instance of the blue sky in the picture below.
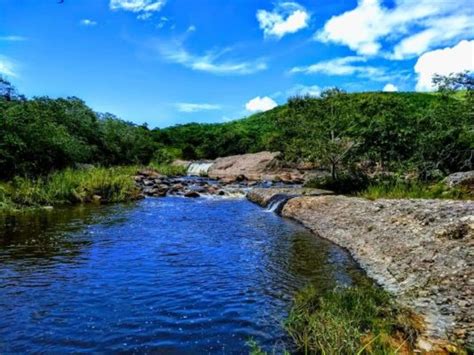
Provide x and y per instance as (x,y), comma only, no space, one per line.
(175,61)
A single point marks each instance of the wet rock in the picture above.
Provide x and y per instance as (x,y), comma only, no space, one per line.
(262,196)
(148,182)
(192,194)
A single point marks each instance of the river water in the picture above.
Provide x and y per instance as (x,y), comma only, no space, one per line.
(170,275)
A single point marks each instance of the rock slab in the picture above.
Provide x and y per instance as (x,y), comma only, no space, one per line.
(420,250)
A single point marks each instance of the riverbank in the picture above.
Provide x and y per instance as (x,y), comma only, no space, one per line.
(419,250)
(88,184)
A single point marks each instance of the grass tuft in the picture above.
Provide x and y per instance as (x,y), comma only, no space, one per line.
(70,186)
(361,320)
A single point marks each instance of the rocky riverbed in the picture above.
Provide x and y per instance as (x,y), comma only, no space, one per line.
(420,250)
(153,184)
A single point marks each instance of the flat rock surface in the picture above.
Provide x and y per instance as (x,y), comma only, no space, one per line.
(421,250)
(262,196)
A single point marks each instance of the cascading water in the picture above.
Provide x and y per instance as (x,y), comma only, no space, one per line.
(277,202)
(199,168)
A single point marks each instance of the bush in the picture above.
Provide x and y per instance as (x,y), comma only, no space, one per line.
(345,184)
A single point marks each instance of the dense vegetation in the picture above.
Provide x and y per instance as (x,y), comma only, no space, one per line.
(425,135)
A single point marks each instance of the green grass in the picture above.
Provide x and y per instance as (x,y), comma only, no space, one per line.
(70,186)
(168,170)
(362,320)
(414,190)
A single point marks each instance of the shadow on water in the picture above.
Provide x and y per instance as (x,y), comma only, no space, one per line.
(49,233)
(168,275)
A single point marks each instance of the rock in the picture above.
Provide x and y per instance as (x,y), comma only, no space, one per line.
(96,198)
(249,166)
(192,194)
(428,266)
(461,179)
(148,182)
(177,187)
(262,196)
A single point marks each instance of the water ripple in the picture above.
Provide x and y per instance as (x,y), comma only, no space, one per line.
(165,275)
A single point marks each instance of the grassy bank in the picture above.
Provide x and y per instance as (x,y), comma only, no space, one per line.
(362,320)
(393,188)
(68,187)
(414,190)
(71,186)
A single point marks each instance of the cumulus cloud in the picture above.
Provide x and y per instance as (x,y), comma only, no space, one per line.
(412,26)
(285,18)
(456,59)
(215,62)
(6,67)
(143,8)
(352,65)
(194,107)
(87,22)
(260,104)
(390,88)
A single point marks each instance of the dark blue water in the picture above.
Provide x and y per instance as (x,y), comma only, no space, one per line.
(168,275)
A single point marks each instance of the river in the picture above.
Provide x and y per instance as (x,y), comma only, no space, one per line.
(170,275)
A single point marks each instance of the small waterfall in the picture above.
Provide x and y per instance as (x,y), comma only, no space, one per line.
(198,168)
(277,203)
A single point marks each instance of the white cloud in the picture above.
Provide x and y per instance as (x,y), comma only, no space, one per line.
(303,90)
(260,104)
(414,26)
(193,107)
(458,58)
(390,88)
(212,62)
(344,66)
(287,17)
(12,38)
(143,8)
(7,67)
(442,31)
(87,22)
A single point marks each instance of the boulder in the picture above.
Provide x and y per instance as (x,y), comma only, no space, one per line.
(192,194)
(247,166)
(461,179)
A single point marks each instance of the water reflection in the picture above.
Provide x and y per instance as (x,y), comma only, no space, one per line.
(171,275)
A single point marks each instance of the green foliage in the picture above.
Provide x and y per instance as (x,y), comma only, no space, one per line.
(346,183)
(362,320)
(41,135)
(402,190)
(255,349)
(70,186)
(389,132)
(168,170)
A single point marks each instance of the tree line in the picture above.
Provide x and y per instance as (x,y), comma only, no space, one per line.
(430,134)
